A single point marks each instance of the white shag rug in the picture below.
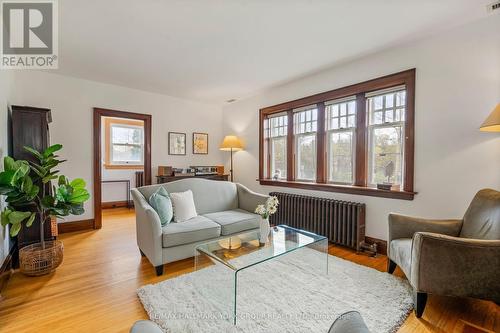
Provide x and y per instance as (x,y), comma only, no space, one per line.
(287,294)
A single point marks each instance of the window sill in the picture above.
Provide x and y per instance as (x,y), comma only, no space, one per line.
(124,166)
(350,189)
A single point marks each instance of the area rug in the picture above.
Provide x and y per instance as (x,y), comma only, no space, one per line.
(289,294)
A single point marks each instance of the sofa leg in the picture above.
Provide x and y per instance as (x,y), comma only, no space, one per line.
(159,270)
(391,266)
(142,253)
(420,299)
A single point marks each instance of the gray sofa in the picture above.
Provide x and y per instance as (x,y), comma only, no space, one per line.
(450,257)
(223,208)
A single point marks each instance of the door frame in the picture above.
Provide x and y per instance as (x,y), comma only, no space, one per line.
(98,114)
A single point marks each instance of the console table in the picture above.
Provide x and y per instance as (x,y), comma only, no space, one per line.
(168,179)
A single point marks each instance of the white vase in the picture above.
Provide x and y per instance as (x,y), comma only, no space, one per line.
(264,230)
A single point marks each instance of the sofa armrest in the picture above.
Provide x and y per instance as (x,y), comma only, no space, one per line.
(454,266)
(401,226)
(248,199)
(148,229)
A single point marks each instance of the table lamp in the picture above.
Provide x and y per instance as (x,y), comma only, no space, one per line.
(231,143)
(492,123)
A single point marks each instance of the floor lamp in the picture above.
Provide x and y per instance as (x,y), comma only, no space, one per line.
(231,143)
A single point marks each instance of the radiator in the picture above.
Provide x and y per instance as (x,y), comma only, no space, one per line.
(139,178)
(342,222)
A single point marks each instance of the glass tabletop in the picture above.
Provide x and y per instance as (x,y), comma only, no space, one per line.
(243,250)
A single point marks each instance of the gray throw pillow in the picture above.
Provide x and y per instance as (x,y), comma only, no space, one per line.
(161,203)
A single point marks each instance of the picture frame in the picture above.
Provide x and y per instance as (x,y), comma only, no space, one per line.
(176,143)
(200,143)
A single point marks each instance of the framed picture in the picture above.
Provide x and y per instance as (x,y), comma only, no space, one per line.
(176,143)
(200,143)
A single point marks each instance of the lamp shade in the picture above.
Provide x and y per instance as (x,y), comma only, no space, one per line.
(492,123)
(231,142)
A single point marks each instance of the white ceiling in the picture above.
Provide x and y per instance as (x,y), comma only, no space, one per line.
(215,50)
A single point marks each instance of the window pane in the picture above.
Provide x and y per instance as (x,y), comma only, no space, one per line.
(386,155)
(378,102)
(130,154)
(126,135)
(401,98)
(389,100)
(278,158)
(306,157)
(340,157)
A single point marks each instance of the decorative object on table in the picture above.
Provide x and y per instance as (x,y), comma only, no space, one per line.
(200,143)
(492,123)
(24,185)
(204,170)
(176,143)
(219,169)
(180,172)
(164,170)
(266,210)
(231,143)
(389,172)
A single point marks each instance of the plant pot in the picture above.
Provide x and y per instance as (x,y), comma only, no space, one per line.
(264,230)
(35,261)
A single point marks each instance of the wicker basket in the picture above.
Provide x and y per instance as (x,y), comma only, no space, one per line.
(35,261)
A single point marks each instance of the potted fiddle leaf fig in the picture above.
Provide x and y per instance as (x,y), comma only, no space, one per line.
(25,185)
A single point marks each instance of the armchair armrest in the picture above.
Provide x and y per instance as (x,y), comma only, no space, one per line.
(401,226)
(454,266)
(148,229)
(248,199)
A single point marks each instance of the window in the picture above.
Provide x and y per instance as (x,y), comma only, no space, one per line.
(276,129)
(305,122)
(346,140)
(340,127)
(124,140)
(386,114)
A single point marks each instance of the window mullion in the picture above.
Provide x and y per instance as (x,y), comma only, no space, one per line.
(320,144)
(360,169)
(290,151)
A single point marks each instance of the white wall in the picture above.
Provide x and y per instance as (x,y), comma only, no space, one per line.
(71,101)
(458,84)
(5,89)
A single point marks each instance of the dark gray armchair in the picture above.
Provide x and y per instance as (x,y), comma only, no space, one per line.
(450,257)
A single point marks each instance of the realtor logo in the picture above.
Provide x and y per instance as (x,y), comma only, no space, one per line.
(29,35)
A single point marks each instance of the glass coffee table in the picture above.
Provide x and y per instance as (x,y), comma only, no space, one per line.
(237,253)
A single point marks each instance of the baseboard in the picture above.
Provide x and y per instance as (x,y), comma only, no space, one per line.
(75,226)
(6,269)
(381,244)
(117,204)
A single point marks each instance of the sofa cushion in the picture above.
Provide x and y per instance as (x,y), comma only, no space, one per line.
(184,208)
(400,253)
(235,220)
(193,230)
(161,203)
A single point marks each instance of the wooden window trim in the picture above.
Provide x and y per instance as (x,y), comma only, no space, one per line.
(406,78)
(107,143)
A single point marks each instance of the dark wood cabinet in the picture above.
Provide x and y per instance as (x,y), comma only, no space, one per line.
(30,127)
(168,179)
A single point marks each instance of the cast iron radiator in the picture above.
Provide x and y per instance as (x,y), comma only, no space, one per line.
(139,178)
(342,222)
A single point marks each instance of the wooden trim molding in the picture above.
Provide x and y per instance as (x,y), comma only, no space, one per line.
(360,169)
(98,113)
(117,204)
(73,226)
(381,244)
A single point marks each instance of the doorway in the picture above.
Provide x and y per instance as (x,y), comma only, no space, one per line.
(122,141)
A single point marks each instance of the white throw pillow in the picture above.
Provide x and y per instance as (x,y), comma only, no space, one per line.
(183,203)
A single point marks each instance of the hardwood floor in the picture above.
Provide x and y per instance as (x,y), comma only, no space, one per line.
(94,289)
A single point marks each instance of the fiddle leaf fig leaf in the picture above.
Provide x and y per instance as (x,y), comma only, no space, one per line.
(51,150)
(79,195)
(78,183)
(34,152)
(6,177)
(9,163)
(16,217)
(27,184)
(14,229)
(30,220)
(4,217)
